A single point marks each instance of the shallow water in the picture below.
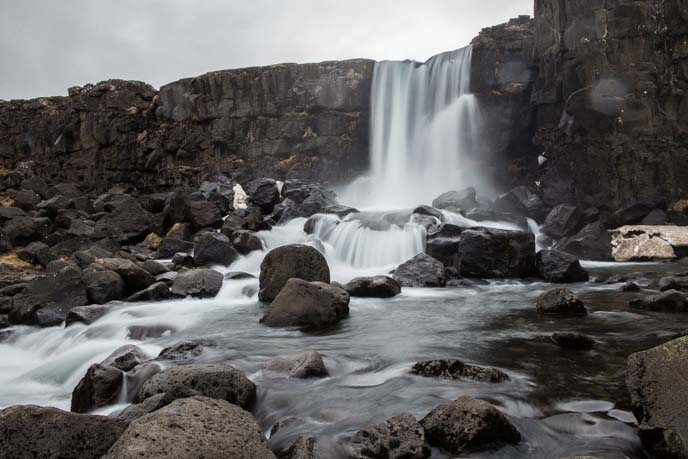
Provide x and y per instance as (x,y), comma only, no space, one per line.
(563,402)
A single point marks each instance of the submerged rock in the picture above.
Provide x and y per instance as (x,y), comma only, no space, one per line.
(373,287)
(593,242)
(100,387)
(198,283)
(305,365)
(214,249)
(287,262)
(400,437)
(421,271)
(668,301)
(456,369)
(86,314)
(562,221)
(573,340)
(560,301)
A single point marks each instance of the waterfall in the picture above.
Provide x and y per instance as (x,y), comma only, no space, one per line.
(425,127)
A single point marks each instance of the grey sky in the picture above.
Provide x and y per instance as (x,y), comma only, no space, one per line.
(47,46)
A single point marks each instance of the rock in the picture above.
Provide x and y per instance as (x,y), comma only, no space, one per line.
(494,253)
(149,405)
(209,380)
(251,219)
(202,213)
(305,365)
(656,381)
(156,292)
(30,432)
(134,277)
(103,285)
(593,242)
(373,287)
(560,301)
(198,283)
(340,210)
(668,301)
(308,305)
(673,283)
(559,267)
(144,332)
(630,287)
(26,199)
(128,221)
(86,314)
(467,425)
(641,248)
(24,230)
(192,428)
(55,204)
(170,246)
(155,268)
(287,262)
(183,352)
(264,194)
(48,299)
(456,369)
(101,386)
(429,211)
(421,271)
(184,260)
(520,201)
(36,253)
(246,242)
(125,357)
(8,213)
(400,437)
(444,249)
(463,200)
(65,189)
(572,340)
(214,249)
(302,448)
(563,220)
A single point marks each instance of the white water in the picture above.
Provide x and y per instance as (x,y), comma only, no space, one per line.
(425,127)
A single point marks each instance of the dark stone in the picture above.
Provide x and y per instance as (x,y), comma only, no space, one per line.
(490,253)
(246,242)
(86,314)
(302,448)
(287,262)
(572,340)
(125,357)
(156,292)
(264,194)
(340,210)
(103,285)
(673,283)
(68,190)
(593,242)
(101,386)
(135,278)
(421,271)
(153,403)
(24,230)
(630,287)
(467,425)
(656,381)
(456,369)
(521,201)
(36,253)
(559,267)
(444,249)
(183,352)
(563,220)
(656,217)
(214,249)
(668,301)
(30,432)
(308,305)
(429,211)
(305,365)
(182,259)
(8,213)
(155,268)
(203,213)
(400,437)
(456,200)
(198,283)
(238,275)
(560,301)
(128,221)
(373,287)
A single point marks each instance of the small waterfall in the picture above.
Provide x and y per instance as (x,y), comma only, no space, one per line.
(425,127)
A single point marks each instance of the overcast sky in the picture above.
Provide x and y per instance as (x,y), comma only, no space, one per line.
(47,46)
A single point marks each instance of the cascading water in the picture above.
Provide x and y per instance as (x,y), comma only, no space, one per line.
(425,128)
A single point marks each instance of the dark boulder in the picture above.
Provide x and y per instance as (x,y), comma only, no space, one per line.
(103,285)
(593,242)
(668,301)
(522,202)
(246,242)
(125,357)
(8,213)
(656,380)
(183,260)
(24,230)
(563,220)
(287,262)
(154,267)
(36,253)
(86,314)
(400,437)
(35,184)
(302,448)
(128,221)
(209,380)
(560,301)
(101,386)
(494,253)
(456,369)
(308,364)
(444,249)
(169,246)
(198,283)
(31,432)
(183,352)
(429,211)
(156,292)
(457,200)
(340,210)
(308,305)
(202,213)
(673,283)
(373,287)
(264,194)
(467,425)
(656,217)
(26,199)
(421,271)
(559,267)
(135,278)
(573,340)
(65,189)
(214,249)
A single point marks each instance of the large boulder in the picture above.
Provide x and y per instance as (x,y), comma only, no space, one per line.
(101,386)
(209,380)
(559,267)
(421,271)
(668,301)
(264,194)
(561,302)
(135,278)
(444,249)
(103,285)
(467,425)
(656,380)
(214,249)
(456,369)
(245,242)
(192,428)
(128,221)
(287,262)
(373,287)
(521,201)
(156,292)
(494,253)
(563,220)
(400,437)
(24,230)
(593,242)
(169,246)
(308,364)
(198,283)
(464,200)
(308,305)
(32,432)
(637,244)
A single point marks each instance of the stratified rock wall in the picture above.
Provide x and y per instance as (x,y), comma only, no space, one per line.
(307,121)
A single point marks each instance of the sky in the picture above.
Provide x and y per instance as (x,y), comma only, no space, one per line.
(47,46)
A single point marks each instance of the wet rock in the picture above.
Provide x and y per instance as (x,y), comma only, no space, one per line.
(144,332)
(287,262)
(630,287)
(302,448)
(642,247)
(8,213)
(65,189)
(170,246)
(457,200)
(155,268)
(86,314)
(400,437)
(214,249)
(308,305)
(467,425)
(560,267)
(246,242)
(30,432)
(156,292)
(103,285)
(125,357)
(593,242)
(560,301)
(427,210)
(668,301)
(264,194)
(183,352)
(421,271)
(373,287)
(572,340)
(191,428)
(24,230)
(238,275)
(444,249)
(214,381)
(134,277)
(198,283)
(493,253)
(305,365)
(100,387)
(656,381)
(456,369)
(128,221)
(149,405)
(563,220)
(48,299)
(184,260)
(673,283)
(202,213)
(521,201)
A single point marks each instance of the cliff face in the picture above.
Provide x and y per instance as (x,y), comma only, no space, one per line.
(306,121)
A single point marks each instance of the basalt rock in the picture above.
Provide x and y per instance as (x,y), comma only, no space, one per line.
(668,301)
(593,242)
(561,302)
(421,271)
(373,287)
(214,249)
(559,267)
(198,283)
(464,200)
(305,365)
(400,437)
(488,253)
(456,369)
(287,262)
